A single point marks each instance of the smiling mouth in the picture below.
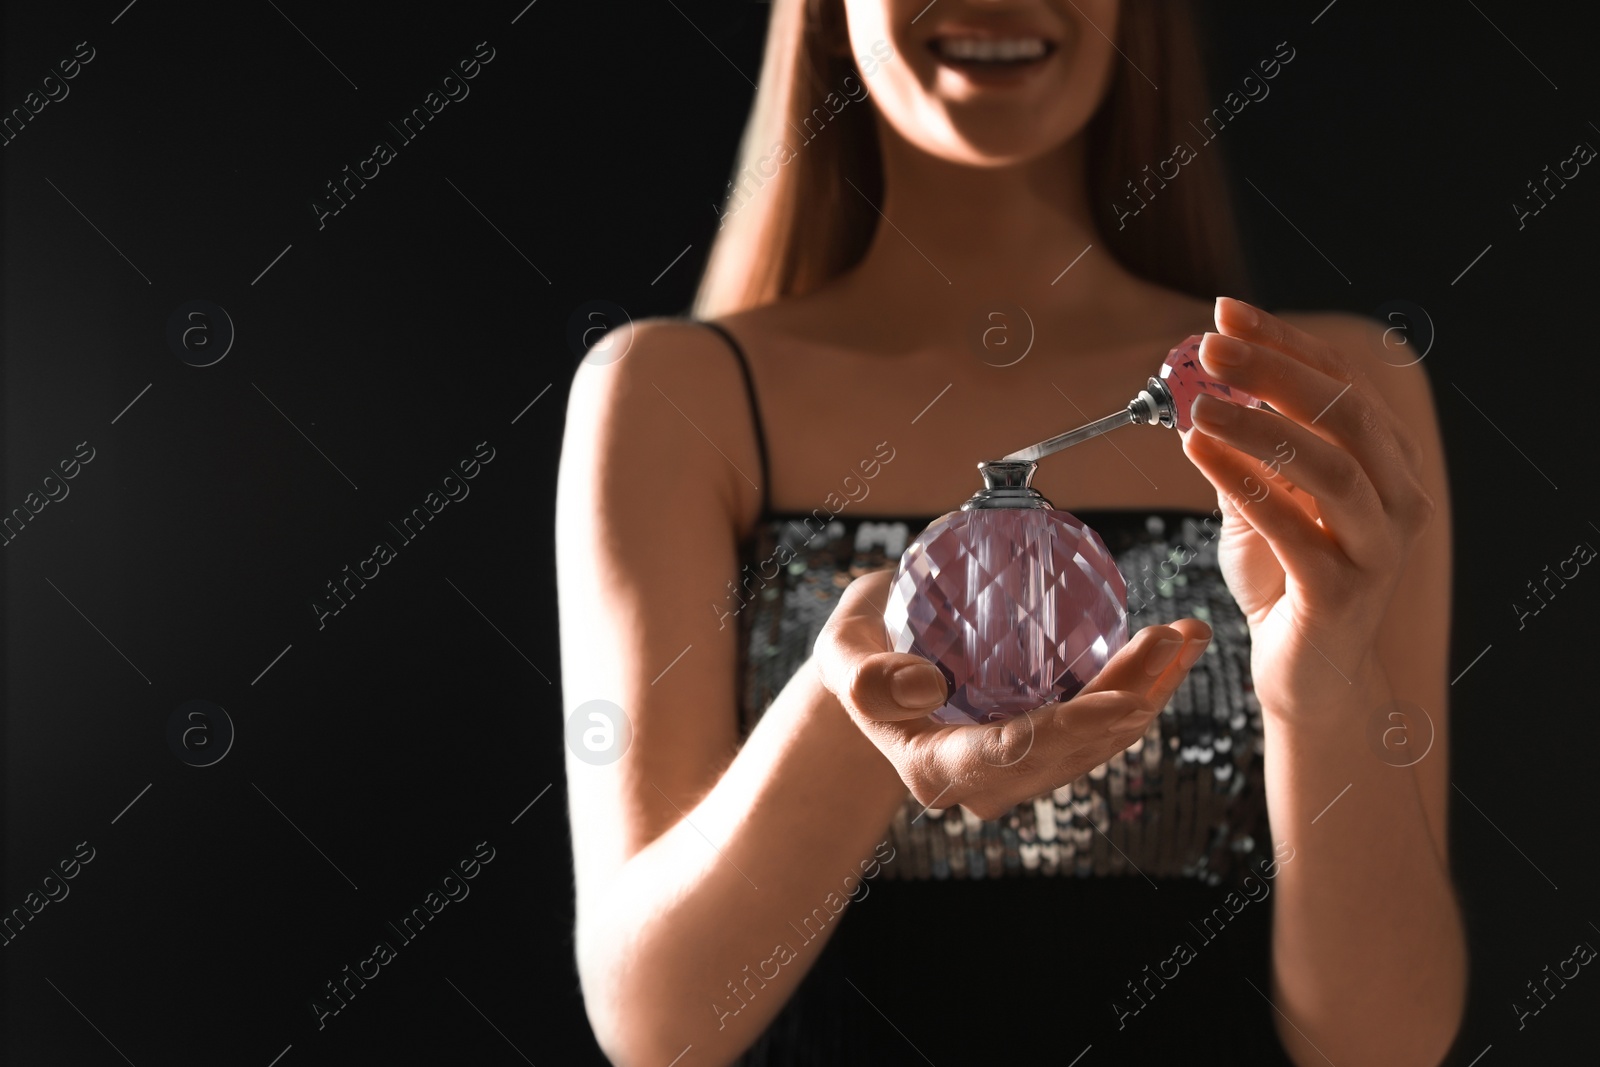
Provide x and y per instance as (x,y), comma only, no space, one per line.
(991,53)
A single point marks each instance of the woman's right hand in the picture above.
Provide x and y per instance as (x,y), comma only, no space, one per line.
(989,769)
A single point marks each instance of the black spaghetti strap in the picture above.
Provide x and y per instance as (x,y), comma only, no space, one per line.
(755,411)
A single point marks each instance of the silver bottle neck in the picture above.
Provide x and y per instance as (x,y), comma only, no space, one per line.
(1006,484)
(1154,405)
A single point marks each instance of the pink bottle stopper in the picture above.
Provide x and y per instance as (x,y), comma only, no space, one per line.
(1186,379)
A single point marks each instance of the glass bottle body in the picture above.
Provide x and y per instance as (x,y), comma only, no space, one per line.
(1017,606)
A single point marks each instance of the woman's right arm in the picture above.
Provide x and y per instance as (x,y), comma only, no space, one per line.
(697,859)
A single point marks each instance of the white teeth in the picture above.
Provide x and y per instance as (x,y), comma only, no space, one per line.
(992,49)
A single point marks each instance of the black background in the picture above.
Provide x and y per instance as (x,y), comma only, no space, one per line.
(425,717)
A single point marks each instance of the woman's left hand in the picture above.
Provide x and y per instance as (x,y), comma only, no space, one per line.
(1321,500)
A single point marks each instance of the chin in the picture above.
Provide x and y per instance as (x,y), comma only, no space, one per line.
(1005,141)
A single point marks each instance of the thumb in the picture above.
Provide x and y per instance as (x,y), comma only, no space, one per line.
(857,666)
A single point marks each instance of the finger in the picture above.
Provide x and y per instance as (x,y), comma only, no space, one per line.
(1142,667)
(1057,742)
(853,657)
(1239,319)
(1148,657)
(1299,544)
(995,766)
(1235,318)
(1196,639)
(1345,495)
(1340,409)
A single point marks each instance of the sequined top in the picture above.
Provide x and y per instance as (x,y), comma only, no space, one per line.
(1013,940)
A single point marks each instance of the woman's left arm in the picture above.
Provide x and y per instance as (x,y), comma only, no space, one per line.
(1336,542)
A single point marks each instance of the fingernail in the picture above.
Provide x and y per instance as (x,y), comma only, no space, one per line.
(1239,310)
(1130,720)
(1219,350)
(1160,657)
(1193,651)
(917,685)
(1213,411)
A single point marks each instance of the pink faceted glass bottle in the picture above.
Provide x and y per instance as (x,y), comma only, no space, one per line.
(1016,602)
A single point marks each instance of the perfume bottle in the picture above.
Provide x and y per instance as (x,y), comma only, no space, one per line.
(1018,603)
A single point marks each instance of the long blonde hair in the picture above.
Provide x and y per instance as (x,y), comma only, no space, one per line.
(801,225)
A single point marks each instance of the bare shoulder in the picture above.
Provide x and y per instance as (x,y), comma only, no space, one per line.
(815,318)
(638,353)
(1385,355)
(653,403)
(645,371)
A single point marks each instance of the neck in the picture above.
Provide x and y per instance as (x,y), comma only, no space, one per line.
(959,235)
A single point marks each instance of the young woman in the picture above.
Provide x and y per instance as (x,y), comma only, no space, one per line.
(955,229)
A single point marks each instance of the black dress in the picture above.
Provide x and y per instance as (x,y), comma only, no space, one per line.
(1125,915)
